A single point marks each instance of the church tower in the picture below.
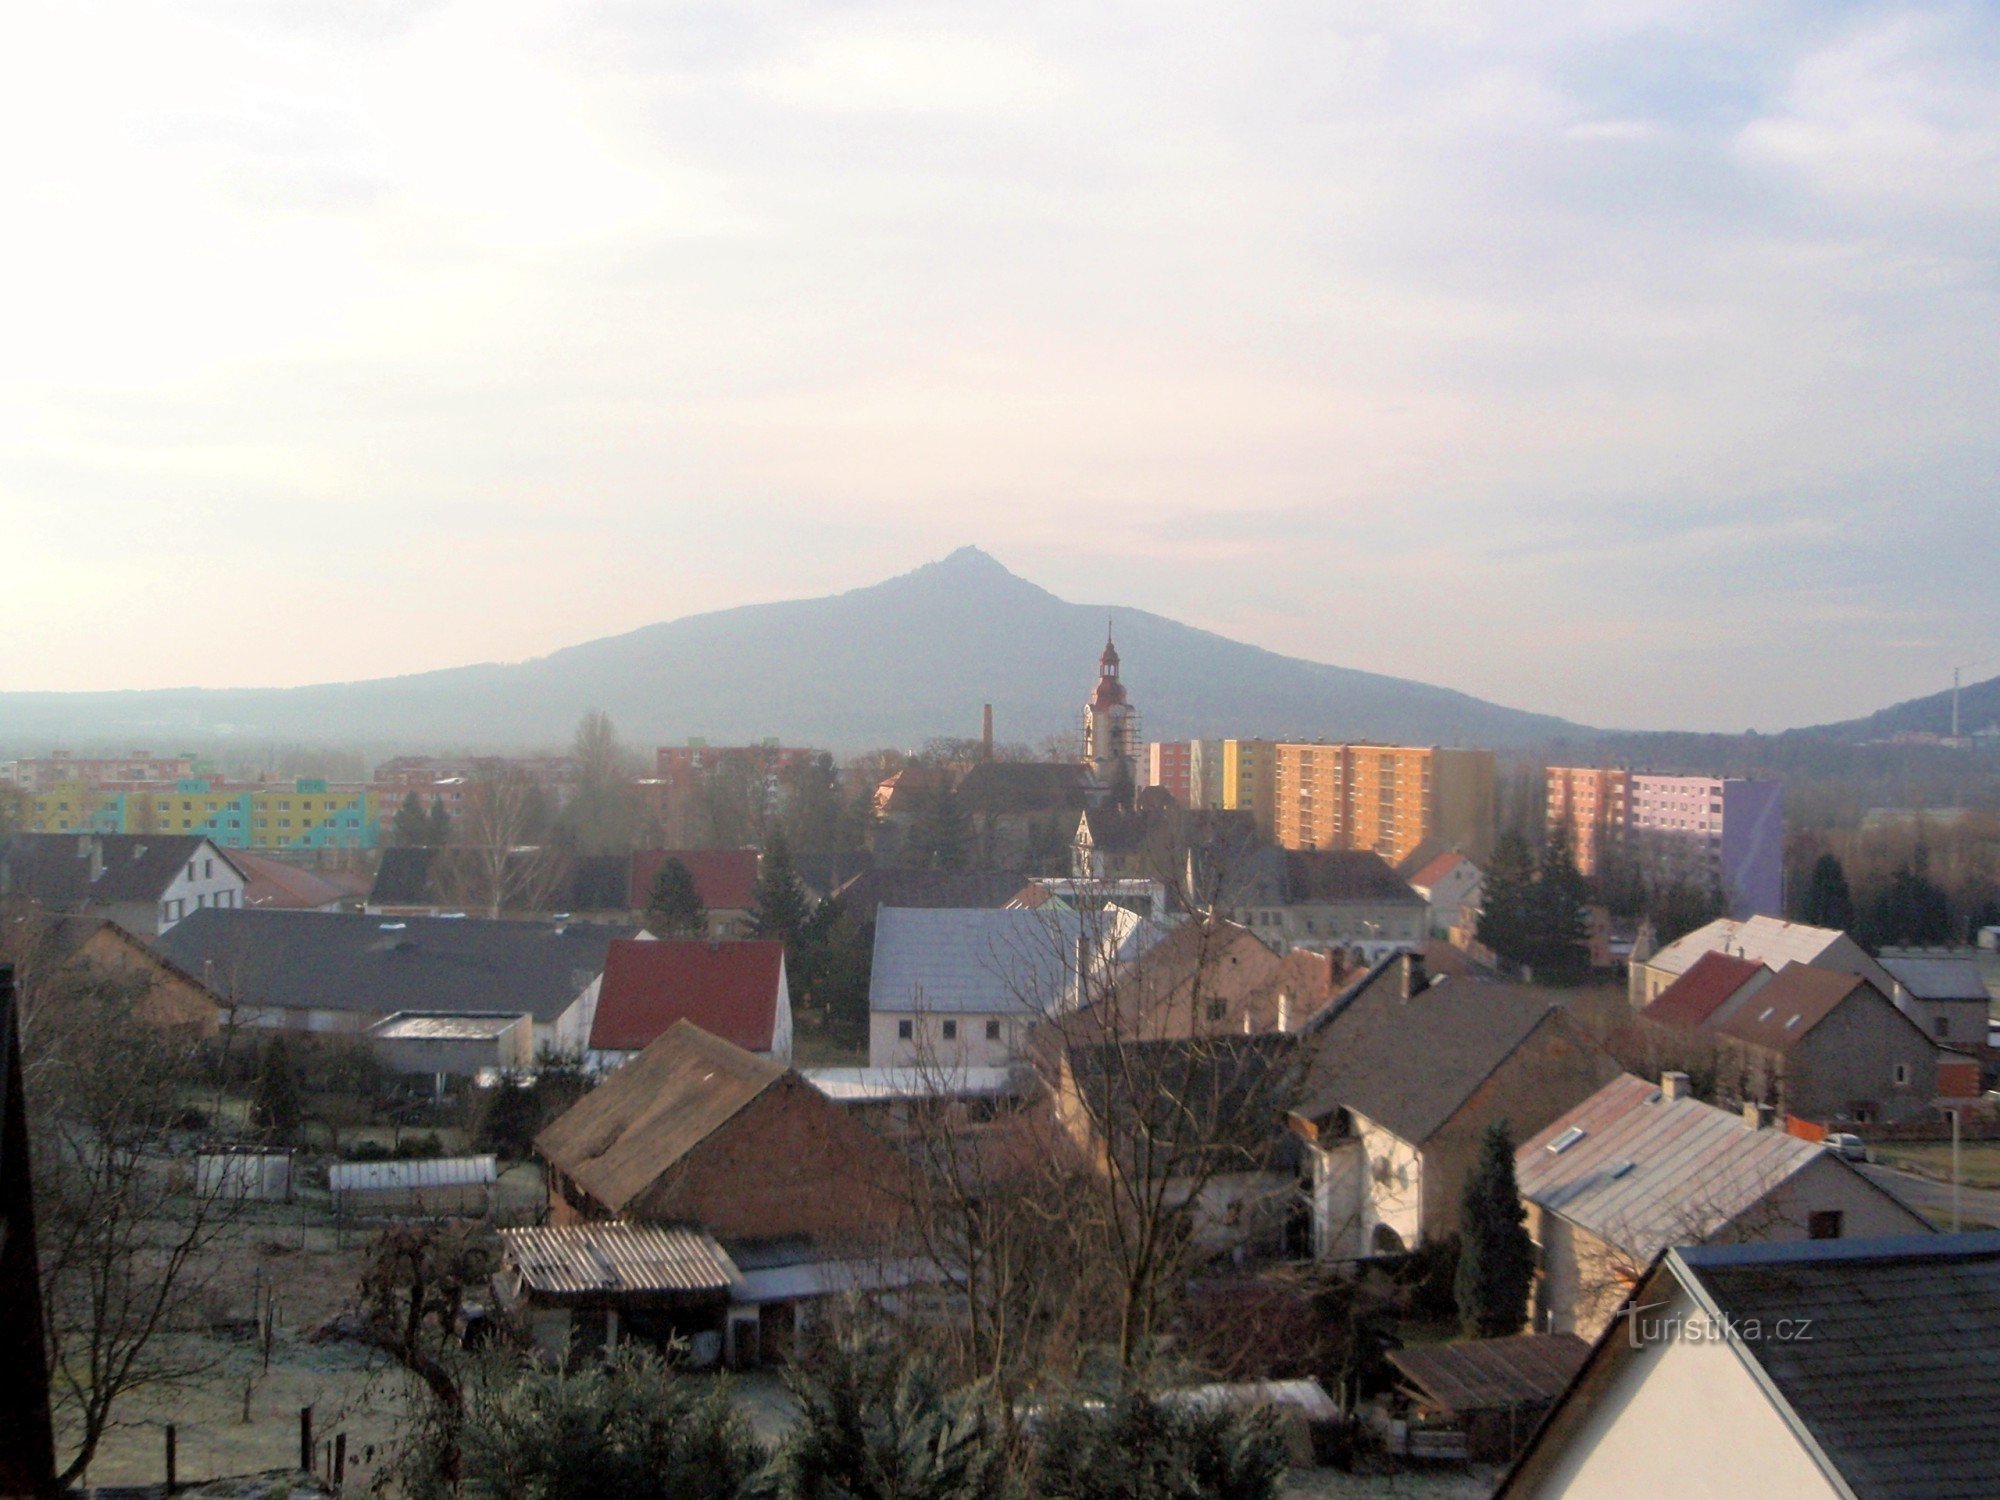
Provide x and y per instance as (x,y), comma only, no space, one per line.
(1110,725)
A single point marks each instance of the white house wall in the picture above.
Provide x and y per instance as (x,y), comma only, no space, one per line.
(1680,1417)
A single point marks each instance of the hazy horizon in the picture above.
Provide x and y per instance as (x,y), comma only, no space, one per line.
(1632,364)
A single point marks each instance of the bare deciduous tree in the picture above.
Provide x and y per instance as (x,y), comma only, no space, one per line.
(128,1238)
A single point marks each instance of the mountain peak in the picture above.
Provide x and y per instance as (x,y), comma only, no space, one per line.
(970,560)
(968,571)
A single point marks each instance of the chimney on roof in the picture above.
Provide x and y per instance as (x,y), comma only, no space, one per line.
(1756,1116)
(1414,982)
(1674,1086)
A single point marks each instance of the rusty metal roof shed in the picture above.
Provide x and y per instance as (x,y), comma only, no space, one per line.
(596,1260)
(1492,1374)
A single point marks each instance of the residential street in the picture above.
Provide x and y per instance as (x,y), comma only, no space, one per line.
(1978,1207)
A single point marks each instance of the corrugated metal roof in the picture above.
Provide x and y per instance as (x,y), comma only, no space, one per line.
(830,1278)
(852,1085)
(441,1026)
(1687,1167)
(1489,1374)
(409,1176)
(1773,943)
(576,1259)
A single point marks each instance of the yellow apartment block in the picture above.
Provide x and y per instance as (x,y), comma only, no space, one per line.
(1248,769)
(1389,798)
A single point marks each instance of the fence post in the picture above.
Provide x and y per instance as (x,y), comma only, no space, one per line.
(173,1477)
(306,1438)
(339,1459)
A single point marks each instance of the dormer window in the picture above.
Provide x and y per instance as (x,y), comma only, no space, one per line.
(1566,1140)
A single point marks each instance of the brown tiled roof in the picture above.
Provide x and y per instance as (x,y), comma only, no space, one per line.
(625,1134)
(1704,989)
(729,990)
(1795,1001)
(273,883)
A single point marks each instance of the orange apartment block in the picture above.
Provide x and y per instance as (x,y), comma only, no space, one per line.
(1595,804)
(1388,798)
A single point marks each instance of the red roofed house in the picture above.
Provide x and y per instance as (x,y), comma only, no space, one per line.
(735,991)
(725,879)
(1450,883)
(1712,990)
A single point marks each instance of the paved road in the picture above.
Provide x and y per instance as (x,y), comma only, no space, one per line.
(1980,1206)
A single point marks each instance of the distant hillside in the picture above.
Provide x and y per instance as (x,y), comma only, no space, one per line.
(890,664)
(1978,708)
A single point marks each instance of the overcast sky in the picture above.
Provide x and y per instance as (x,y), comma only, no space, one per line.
(1634,361)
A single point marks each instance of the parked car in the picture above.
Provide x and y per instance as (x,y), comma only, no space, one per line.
(1847,1147)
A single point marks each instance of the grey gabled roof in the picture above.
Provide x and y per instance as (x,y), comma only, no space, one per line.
(312,960)
(1897,1382)
(54,868)
(1642,1171)
(1939,977)
(1410,1065)
(1010,961)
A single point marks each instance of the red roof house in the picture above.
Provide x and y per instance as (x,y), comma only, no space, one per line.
(735,991)
(725,879)
(1708,993)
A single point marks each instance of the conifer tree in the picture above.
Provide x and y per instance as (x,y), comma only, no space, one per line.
(410,824)
(780,908)
(674,909)
(1560,935)
(439,832)
(1506,918)
(1828,900)
(276,1107)
(1496,1259)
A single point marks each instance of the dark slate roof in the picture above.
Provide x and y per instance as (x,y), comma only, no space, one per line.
(414,876)
(1218,1102)
(1299,877)
(54,868)
(823,874)
(1022,786)
(1410,1065)
(311,960)
(1476,1375)
(1343,875)
(1898,1383)
(928,890)
(1934,977)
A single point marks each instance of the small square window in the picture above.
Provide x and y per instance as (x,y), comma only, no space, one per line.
(992,1031)
(950,1031)
(1902,1073)
(1941,1026)
(1823,1224)
(905,1030)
